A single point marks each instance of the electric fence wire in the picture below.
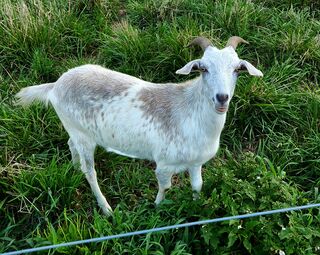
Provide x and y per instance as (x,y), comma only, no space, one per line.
(147,231)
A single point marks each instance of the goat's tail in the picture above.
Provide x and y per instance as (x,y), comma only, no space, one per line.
(28,95)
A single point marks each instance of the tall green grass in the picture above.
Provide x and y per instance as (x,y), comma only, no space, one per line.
(270,149)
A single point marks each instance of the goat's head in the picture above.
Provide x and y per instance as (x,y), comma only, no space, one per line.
(219,70)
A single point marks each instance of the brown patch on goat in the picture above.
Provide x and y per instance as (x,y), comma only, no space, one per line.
(159,105)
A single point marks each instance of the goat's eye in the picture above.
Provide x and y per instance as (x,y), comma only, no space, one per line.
(203,69)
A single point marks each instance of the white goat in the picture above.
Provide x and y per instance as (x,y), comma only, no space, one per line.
(176,125)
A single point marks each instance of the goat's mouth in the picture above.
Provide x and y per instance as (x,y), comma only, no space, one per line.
(221,109)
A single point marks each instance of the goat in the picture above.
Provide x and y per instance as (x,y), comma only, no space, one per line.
(176,125)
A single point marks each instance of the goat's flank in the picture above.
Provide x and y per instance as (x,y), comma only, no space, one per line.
(176,125)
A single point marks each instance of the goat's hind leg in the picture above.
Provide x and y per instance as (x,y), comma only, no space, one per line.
(85,150)
(74,153)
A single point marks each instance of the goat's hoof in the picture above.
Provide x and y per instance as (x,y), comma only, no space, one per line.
(159,198)
(157,202)
(195,195)
(107,210)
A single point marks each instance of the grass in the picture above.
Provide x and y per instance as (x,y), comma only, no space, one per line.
(270,149)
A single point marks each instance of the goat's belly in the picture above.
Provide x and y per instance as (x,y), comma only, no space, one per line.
(127,145)
(140,152)
(122,153)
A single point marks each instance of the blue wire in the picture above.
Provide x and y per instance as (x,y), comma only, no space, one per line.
(147,231)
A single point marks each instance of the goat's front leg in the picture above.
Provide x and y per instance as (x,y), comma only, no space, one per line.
(164,182)
(196,180)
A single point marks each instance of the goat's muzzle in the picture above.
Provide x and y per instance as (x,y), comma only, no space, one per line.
(219,107)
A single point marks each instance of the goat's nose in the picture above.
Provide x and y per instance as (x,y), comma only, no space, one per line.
(222,98)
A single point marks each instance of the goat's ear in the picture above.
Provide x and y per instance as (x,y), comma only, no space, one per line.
(189,67)
(245,65)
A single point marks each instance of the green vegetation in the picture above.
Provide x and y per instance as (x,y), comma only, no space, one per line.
(270,149)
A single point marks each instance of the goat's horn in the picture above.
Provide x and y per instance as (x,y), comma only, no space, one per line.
(201,41)
(234,41)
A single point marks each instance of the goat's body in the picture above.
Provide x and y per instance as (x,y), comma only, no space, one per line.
(119,122)
(172,124)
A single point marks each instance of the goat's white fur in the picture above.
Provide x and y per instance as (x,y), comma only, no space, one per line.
(176,125)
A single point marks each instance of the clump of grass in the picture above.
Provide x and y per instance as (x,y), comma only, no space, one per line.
(44,200)
(57,30)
